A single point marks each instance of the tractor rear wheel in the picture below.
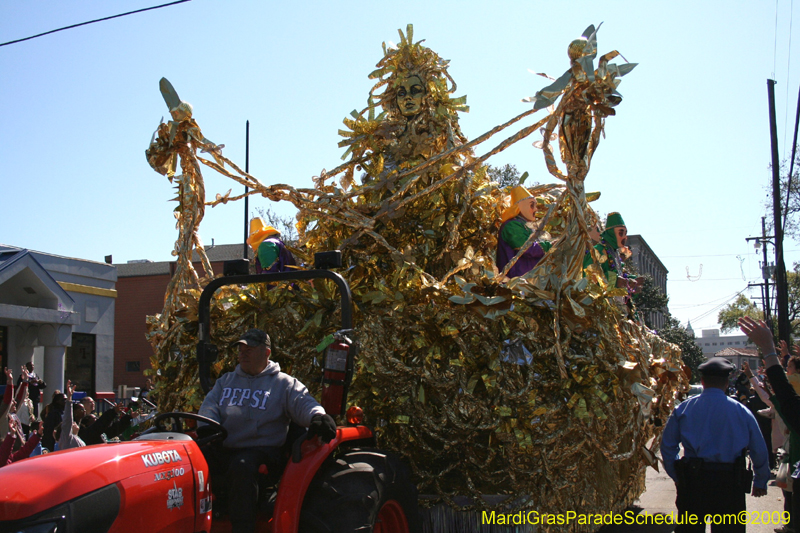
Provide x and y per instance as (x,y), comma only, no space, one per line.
(361,490)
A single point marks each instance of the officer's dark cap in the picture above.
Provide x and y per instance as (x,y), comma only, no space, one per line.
(718,366)
(254,337)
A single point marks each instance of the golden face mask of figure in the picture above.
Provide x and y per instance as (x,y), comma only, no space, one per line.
(409,96)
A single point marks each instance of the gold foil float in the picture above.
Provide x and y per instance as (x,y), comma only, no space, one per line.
(538,387)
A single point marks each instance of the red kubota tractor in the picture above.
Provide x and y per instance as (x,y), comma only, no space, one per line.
(160,480)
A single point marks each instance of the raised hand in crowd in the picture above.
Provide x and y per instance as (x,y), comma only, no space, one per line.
(70,390)
(25,374)
(9,377)
(761,336)
(784,349)
(758,332)
(746,370)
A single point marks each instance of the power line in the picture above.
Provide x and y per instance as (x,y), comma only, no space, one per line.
(703,315)
(716,255)
(791,167)
(704,279)
(687,306)
(701,255)
(93,21)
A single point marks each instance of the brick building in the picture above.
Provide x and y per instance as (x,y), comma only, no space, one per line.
(141,287)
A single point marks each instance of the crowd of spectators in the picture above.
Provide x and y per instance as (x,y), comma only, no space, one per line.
(755,391)
(63,423)
(772,393)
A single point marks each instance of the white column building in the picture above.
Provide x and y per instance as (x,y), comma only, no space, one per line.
(59,313)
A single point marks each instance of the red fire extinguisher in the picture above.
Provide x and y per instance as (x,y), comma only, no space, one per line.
(336,374)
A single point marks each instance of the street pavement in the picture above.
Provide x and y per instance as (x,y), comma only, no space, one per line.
(659,497)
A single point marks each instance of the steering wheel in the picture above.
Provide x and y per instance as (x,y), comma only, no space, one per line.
(219,433)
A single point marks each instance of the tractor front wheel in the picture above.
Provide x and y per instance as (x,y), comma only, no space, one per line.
(361,490)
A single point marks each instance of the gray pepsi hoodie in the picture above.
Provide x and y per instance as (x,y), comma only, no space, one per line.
(256,410)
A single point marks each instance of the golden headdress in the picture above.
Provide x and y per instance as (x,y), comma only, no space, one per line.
(380,130)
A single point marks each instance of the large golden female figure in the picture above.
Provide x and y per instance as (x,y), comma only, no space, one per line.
(416,180)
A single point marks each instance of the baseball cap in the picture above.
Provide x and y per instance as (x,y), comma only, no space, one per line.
(254,337)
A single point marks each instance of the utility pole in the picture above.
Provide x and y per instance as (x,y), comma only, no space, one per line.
(247,171)
(761,242)
(765,271)
(781,289)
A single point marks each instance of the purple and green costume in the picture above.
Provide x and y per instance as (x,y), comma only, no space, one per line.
(612,265)
(273,256)
(513,234)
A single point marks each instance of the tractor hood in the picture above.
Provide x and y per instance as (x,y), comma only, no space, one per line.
(33,485)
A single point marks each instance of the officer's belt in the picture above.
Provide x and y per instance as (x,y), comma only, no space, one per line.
(693,462)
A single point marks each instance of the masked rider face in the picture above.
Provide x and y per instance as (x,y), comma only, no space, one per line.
(622,236)
(527,208)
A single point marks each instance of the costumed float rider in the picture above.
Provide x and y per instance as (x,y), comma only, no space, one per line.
(613,242)
(271,254)
(514,232)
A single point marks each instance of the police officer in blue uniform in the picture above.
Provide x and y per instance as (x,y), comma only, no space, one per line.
(716,432)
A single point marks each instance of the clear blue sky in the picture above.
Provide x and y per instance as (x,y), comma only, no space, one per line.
(685,160)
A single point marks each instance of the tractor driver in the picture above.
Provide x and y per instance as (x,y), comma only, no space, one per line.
(255,404)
